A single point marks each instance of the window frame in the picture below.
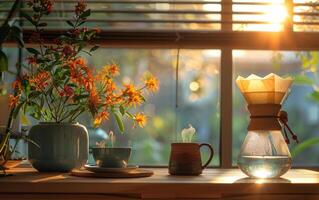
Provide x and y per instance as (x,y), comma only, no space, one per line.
(226,40)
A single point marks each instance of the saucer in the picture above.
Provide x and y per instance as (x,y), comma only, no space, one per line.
(97,169)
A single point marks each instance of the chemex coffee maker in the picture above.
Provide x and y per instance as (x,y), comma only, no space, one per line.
(265,153)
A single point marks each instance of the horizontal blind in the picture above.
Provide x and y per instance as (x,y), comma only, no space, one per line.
(195,15)
(137,14)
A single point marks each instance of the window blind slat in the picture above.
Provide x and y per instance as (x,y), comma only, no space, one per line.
(246,15)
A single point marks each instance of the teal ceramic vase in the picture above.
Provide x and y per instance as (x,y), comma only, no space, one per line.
(63,146)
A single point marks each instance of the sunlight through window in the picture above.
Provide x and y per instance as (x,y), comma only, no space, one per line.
(259,16)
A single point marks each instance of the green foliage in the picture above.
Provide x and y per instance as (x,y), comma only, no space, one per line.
(308,77)
(60,86)
(119,121)
(305,145)
(33,51)
(303,80)
(8,30)
(309,60)
(314,96)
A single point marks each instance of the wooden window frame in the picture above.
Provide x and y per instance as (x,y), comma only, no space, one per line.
(225,40)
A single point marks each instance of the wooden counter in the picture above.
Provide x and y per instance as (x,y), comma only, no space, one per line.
(214,183)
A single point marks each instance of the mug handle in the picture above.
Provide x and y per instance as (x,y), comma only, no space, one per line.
(210,156)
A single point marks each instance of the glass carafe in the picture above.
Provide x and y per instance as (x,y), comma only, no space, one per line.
(264,153)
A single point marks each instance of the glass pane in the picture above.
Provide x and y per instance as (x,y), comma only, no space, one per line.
(5,90)
(198,97)
(302,104)
(196,101)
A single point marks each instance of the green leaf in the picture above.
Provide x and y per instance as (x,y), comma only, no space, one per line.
(16,34)
(81,97)
(33,51)
(130,115)
(72,85)
(26,138)
(314,96)
(34,94)
(70,23)
(36,115)
(3,61)
(143,98)
(304,145)
(4,32)
(303,80)
(16,29)
(14,9)
(119,121)
(122,110)
(81,23)
(17,110)
(43,24)
(94,48)
(29,18)
(86,13)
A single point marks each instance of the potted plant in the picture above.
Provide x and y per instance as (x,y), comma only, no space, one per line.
(60,86)
(9,30)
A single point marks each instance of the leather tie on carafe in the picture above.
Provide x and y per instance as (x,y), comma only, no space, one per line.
(269,117)
(283,118)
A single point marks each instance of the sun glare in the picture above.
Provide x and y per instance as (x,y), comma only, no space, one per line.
(274,15)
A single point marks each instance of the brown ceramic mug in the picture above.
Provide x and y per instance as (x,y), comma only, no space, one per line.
(185,158)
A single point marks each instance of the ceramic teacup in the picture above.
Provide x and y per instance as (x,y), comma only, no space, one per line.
(185,158)
(111,157)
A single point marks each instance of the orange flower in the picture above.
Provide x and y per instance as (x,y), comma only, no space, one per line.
(152,83)
(129,90)
(101,117)
(16,85)
(80,7)
(134,96)
(94,99)
(109,86)
(140,119)
(135,100)
(113,70)
(80,73)
(97,30)
(13,101)
(40,81)
(111,99)
(108,70)
(80,61)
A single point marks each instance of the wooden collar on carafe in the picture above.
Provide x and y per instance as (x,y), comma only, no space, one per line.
(267,117)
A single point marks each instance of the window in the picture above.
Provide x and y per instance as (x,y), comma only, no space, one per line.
(218,40)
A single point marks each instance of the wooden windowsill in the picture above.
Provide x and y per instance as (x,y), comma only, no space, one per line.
(213,183)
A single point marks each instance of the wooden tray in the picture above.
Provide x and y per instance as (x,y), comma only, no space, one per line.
(137,173)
